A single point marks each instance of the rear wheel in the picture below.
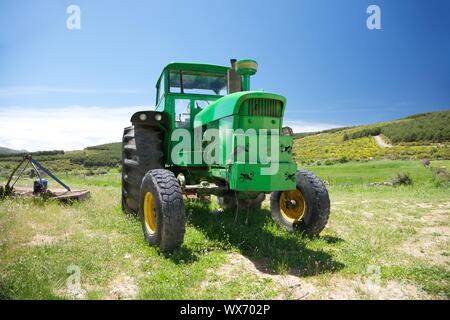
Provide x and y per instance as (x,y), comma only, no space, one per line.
(161,210)
(141,152)
(305,209)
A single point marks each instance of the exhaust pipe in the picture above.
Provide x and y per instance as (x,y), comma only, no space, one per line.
(233,63)
(234,78)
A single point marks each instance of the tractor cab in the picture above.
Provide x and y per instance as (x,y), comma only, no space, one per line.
(185,89)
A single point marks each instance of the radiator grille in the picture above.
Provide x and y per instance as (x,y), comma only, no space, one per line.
(264,107)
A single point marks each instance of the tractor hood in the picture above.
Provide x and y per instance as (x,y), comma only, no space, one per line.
(231,105)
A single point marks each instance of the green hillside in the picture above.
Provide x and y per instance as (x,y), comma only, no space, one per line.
(91,160)
(425,135)
(4,150)
(423,127)
(105,155)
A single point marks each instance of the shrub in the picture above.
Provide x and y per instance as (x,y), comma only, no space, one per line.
(363,133)
(101,171)
(32,173)
(402,179)
(343,159)
(441,175)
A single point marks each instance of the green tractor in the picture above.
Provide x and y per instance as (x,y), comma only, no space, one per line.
(211,135)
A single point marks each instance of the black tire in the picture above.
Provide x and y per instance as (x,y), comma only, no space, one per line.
(228,202)
(169,210)
(141,152)
(317,205)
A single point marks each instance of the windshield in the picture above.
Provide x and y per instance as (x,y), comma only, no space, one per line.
(197,83)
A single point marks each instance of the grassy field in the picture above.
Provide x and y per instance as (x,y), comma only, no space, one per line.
(381,242)
(362,173)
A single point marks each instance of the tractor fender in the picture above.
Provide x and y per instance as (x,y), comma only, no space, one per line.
(152,118)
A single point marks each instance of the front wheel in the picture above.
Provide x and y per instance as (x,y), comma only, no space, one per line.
(305,209)
(161,209)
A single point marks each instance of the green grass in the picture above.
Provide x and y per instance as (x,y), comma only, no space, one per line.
(381,227)
(362,173)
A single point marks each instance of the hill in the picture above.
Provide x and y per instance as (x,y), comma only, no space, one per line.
(425,135)
(105,155)
(91,160)
(4,150)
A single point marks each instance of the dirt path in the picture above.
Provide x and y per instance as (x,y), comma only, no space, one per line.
(295,287)
(381,143)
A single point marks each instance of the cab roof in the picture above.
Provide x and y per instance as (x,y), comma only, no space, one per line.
(196,67)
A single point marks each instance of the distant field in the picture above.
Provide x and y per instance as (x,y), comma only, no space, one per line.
(381,242)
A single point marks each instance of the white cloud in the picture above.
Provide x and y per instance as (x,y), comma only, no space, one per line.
(28,90)
(76,127)
(304,126)
(67,128)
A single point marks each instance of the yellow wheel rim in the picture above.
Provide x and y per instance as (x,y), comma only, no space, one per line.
(150,212)
(296,211)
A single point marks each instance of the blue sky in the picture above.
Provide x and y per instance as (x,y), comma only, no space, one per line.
(83,85)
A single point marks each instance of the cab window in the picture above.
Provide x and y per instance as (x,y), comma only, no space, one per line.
(182,113)
(161,89)
(191,82)
(201,104)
